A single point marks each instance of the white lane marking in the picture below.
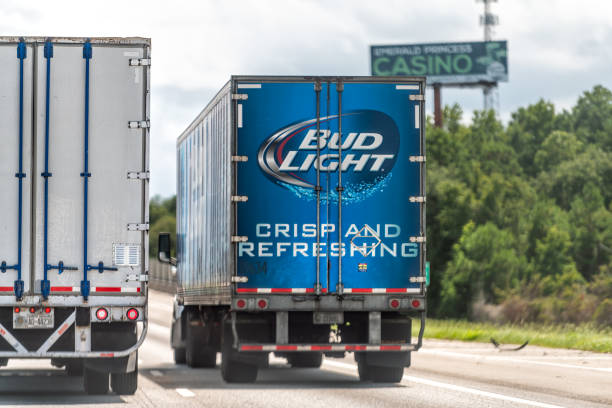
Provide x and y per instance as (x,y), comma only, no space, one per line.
(467,390)
(511,360)
(156,373)
(184,392)
(408,378)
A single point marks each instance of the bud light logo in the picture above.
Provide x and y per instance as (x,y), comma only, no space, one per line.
(370,145)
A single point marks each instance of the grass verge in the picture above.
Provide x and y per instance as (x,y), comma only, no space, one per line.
(583,337)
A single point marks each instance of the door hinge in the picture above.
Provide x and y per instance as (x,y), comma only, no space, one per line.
(417,199)
(139,124)
(140,62)
(138,278)
(240,279)
(237,238)
(138,175)
(418,159)
(418,279)
(419,97)
(240,158)
(240,199)
(138,227)
(417,239)
(240,97)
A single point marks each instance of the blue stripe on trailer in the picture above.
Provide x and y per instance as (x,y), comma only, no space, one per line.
(85,284)
(45,285)
(21,54)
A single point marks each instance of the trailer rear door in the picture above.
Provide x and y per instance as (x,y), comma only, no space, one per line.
(289,214)
(85,186)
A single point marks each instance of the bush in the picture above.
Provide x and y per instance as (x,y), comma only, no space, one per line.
(603,314)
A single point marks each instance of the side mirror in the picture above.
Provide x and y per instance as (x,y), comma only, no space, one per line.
(163,249)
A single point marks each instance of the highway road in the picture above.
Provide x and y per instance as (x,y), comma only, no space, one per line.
(444,374)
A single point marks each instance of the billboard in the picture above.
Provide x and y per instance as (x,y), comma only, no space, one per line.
(444,63)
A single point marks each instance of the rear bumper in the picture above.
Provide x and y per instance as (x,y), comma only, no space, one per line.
(71,337)
(326,348)
(371,332)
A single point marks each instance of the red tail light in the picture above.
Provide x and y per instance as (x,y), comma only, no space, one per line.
(416,303)
(394,303)
(241,303)
(47,310)
(262,303)
(32,310)
(17,310)
(132,314)
(102,313)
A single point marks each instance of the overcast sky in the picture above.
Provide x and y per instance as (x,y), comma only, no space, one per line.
(557,48)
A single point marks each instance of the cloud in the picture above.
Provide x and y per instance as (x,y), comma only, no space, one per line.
(557,48)
(172,110)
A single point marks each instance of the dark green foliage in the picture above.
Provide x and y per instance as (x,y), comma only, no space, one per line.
(162,218)
(519,218)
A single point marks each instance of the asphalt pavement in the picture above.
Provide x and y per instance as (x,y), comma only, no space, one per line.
(443,374)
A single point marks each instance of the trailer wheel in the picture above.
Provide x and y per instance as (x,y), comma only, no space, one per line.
(125,383)
(74,368)
(305,360)
(237,372)
(179,356)
(197,353)
(379,374)
(95,382)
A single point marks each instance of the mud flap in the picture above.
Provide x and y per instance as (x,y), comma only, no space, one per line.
(119,365)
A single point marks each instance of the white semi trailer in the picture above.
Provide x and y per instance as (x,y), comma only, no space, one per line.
(74,175)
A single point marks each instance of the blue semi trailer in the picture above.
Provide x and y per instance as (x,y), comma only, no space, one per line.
(301,225)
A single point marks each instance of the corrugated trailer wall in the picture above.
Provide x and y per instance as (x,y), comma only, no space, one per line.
(204,186)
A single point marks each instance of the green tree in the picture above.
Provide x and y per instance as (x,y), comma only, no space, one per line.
(503,200)
(591,231)
(593,117)
(553,253)
(566,181)
(162,218)
(528,129)
(557,148)
(485,263)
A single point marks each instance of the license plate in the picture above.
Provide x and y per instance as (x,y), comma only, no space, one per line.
(36,318)
(328,317)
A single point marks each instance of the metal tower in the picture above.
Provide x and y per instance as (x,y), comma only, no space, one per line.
(488,20)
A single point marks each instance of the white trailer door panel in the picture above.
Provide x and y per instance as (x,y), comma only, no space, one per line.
(110,217)
(15,208)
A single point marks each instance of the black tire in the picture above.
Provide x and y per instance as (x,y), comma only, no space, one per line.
(236,372)
(124,383)
(179,356)
(74,368)
(95,382)
(233,371)
(305,360)
(379,374)
(197,353)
